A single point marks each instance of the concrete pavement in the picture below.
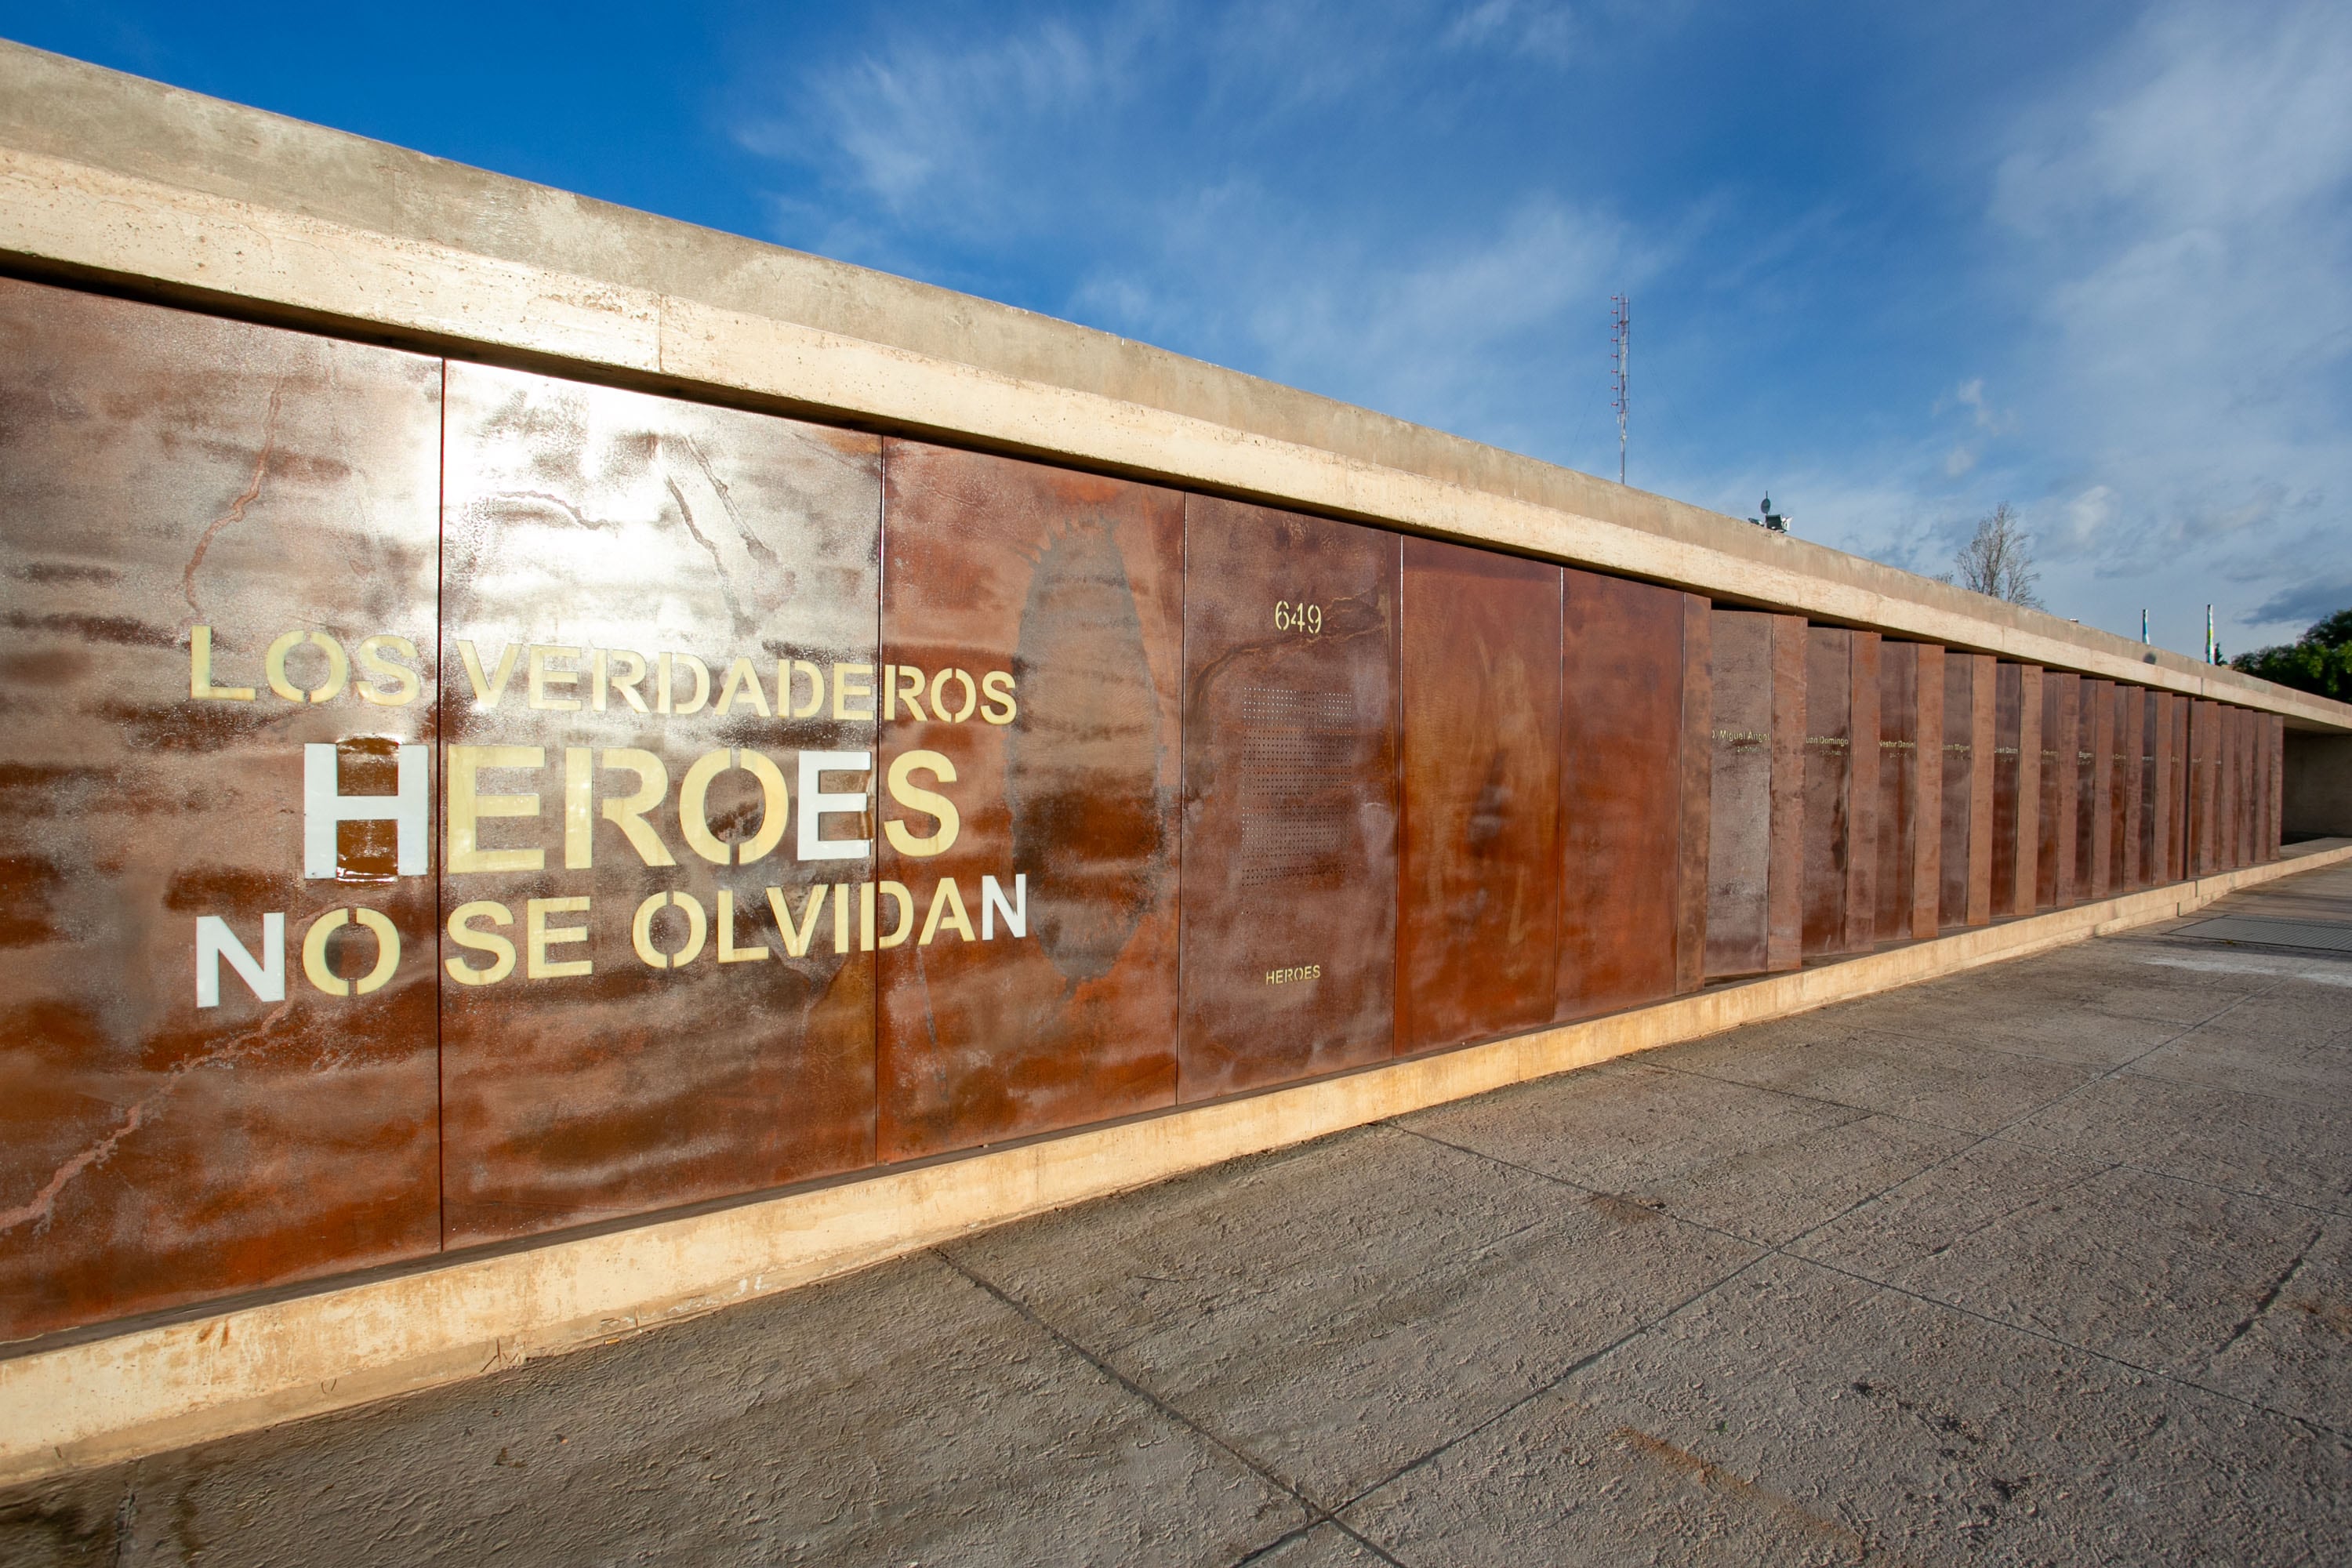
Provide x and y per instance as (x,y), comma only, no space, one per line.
(2049,1262)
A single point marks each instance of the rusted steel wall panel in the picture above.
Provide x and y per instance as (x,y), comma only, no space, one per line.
(1698,759)
(1627,686)
(1928,808)
(627,581)
(1841,791)
(2274,756)
(1862,860)
(1289,799)
(2225,787)
(1966,896)
(2181,821)
(2094,844)
(2053,874)
(2146,834)
(1479,919)
(2130,715)
(1981,801)
(2029,809)
(1829,786)
(2249,785)
(1755,858)
(1027,975)
(1786,950)
(1898,787)
(2016,793)
(212,535)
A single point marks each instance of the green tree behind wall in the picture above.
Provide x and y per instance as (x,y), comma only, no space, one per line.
(2320,660)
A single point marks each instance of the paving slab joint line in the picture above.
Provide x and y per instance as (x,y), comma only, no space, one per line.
(1316,1513)
(157,1387)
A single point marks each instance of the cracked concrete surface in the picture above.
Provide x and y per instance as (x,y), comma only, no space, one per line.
(2050,1262)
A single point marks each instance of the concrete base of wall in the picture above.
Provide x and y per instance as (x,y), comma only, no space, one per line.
(160,1387)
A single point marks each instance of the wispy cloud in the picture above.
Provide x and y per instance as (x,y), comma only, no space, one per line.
(2132,318)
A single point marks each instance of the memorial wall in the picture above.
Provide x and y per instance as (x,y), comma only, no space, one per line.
(449,805)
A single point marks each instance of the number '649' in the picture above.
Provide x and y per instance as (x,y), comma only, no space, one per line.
(1290,617)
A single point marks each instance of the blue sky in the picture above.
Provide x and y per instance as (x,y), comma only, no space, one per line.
(1897,263)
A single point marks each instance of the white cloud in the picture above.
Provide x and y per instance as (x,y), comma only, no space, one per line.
(2180,224)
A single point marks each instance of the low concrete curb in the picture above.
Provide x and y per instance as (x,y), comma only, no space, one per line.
(162,1387)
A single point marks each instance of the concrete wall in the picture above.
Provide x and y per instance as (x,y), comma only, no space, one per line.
(345,474)
(2317,783)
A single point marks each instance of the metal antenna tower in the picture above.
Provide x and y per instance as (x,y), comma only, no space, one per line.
(1621,346)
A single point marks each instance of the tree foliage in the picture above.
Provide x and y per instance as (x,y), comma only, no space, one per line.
(1998,559)
(2320,660)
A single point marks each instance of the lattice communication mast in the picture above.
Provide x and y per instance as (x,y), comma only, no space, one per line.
(1621,386)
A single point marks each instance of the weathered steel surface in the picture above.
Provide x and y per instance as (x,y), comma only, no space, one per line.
(169,484)
(1862,860)
(1630,685)
(1698,759)
(2124,810)
(2225,787)
(2148,830)
(1478,919)
(1075,585)
(1829,786)
(598,546)
(1898,788)
(2198,770)
(1966,891)
(1927,810)
(2029,811)
(2181,778)
(2274,795)
(2007,698)
(1756,788)
(1290,797)
(2016,787)
(2053,877)
(2095,841)
(1841,790)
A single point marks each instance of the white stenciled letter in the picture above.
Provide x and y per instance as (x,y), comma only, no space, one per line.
(816,804)
(992,901)
(265,976)
(324,806)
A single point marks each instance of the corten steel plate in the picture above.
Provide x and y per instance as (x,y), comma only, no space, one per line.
(1980,758)
(1478,913)
(2029,809)
(2225,787)
(1754,828)
(1073,584)
(2147,834)
(1631,925)
(2053,876)
(1965,895)
(2009,695)
(1927,810)
(615,532)
(161,472)
(2180,772)
(2094,789)
(2160,830)
(2274,766)
(2124,813)
(1862,862)
(1898,786)
(2200,772)
(1841,789)
(1290,797)
(2248,786)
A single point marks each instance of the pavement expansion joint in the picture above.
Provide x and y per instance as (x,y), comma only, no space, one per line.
(2322,936)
